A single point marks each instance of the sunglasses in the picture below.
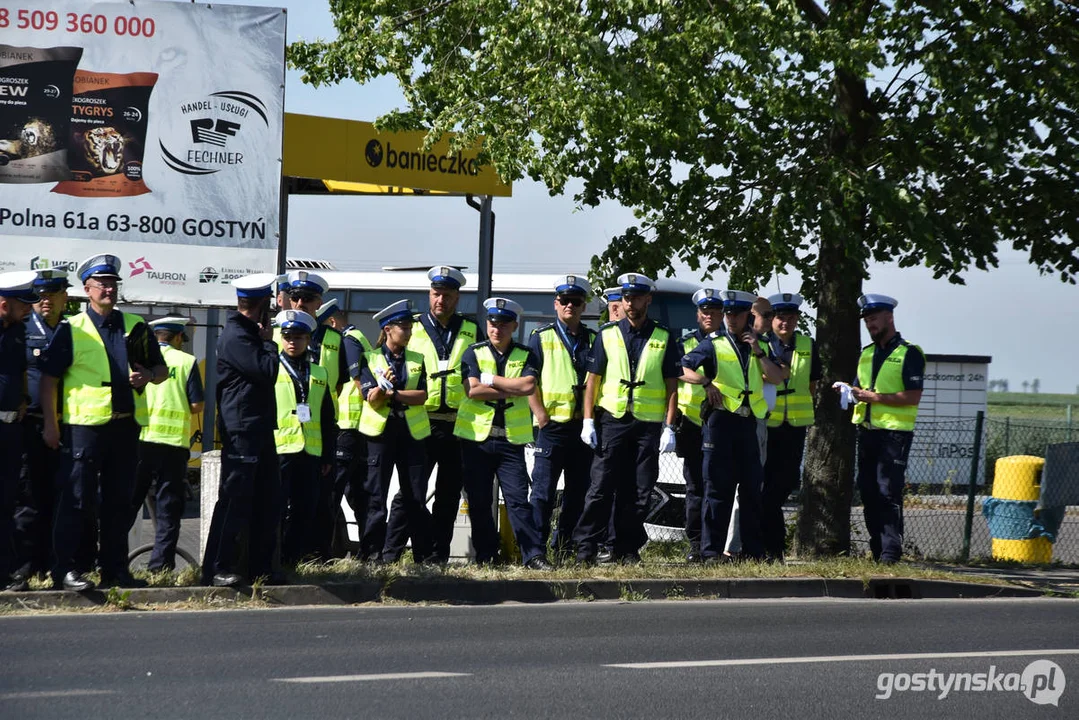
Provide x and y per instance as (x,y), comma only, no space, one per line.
(570,301)
(302,297)
(734,311)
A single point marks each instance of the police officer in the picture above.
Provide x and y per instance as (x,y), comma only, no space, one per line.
(441,335)
(788,423)
(105,358)
(350,462)
(612,297)
(632,378)
(887,390)
(561,350)
(283,301)
(249,493)
(17,296)
(165,442)
(305,434)
(691,400)
(35,505)
(305,291)
(732,366)
(396,425)
(495,423)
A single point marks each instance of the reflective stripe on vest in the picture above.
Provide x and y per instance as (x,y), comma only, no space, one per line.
(448,381)
(292,436)
(734,382)
(796,404)
(329,358)
(350,399)
(889,380)
(691,397)
(475,417)
(167,404)
(649,387)
(87,394)
(558,377)
(373,422)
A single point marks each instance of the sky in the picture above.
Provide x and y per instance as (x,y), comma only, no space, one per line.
(1010,313)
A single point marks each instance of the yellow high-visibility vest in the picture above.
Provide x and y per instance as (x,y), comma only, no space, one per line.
(169,410)
(475,417)
(794,403)
(350,400)
(650,389)
(292,436)
(446,381)
(690,396)
(373,422)
(889,380)
(735,383)
(558,376)
(87,382)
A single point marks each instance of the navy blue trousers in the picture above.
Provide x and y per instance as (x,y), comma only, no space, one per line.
(782,476)
(395,448)
(732,459)
(624,472)
(443,450)
(10,460)
(95,459)
(301,488)
(350,473)
(882,470)
(163,467)
(482,461)
(688,447)
(248,501)
(559,451)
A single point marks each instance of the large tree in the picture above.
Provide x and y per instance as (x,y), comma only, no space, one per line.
(759,136)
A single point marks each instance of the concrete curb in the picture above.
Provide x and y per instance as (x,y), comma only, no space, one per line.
(457,591)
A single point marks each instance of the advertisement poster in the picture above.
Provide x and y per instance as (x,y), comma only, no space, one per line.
(149,130)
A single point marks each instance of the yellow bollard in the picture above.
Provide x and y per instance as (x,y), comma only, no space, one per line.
(1019,478)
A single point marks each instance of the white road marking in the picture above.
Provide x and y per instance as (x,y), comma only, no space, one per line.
(373,677)
(838,658)
(40,694)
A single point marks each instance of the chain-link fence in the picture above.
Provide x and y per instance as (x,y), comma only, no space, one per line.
(950,482)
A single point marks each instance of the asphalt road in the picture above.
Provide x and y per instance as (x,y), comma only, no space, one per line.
(566,660)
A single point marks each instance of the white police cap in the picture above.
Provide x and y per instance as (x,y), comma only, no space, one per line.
(295,320)
(254,286)
(445,276)
(738,300)
(872,302)
(19,285)
(572,285)
(636,284)
(707,297)
(282,282)
(612,294)
(99,266)
(172,323)
(785,301)
(51,280)
(502,308)
(394,313)
(303,281)
(325,310)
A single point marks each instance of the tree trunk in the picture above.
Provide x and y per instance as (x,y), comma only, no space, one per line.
(824,521)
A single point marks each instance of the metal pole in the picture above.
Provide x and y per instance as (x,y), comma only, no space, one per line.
(1007,436)
(1068,415)
(209,430)
(968,524)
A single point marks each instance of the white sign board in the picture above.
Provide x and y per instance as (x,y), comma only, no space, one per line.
(955,389)
(149,130)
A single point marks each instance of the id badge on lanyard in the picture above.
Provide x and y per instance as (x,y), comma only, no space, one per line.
(303,410)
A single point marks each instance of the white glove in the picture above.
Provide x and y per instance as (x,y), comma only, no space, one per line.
(383,383)
(846,397)
(588,433)
(666,440)
(487,379)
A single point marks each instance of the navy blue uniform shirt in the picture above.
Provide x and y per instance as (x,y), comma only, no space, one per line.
(470,368)
(635,340)
(38,338)
(783,354)
(353,352)
(443,338)
(12,366)
(913,363)
(60,354)
(578,346)
(247,368)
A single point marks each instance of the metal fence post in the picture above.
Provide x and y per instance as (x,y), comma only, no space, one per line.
(1007,436)
(964,555)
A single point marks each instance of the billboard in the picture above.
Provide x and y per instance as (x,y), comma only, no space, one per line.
(149,130)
